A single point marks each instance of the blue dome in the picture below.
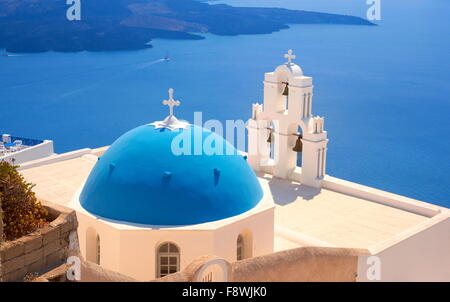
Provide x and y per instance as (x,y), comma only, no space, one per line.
(140,180)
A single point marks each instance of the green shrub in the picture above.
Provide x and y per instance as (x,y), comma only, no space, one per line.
(22,212)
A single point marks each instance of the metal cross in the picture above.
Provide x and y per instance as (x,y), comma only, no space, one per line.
(289,56)
(171,102)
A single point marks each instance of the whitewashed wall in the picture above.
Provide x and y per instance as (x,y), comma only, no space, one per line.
(133,251)
(423,255)
(30,153)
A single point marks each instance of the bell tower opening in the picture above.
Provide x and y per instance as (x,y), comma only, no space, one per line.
(299,139)
(283,102)
(298,147)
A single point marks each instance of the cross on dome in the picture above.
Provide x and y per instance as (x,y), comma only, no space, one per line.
(290,56)
(171,102)
(170,122)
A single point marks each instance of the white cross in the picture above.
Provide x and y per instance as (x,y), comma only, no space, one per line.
(289,56)
(171,102)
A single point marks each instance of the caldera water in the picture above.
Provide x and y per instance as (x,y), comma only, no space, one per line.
(383,90)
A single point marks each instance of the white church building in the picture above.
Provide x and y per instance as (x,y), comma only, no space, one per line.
(167,209)
(146,211)
(143,201)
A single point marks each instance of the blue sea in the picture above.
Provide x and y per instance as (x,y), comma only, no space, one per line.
(383,90)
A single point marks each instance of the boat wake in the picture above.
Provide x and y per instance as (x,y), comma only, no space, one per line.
(145,65)
(138,67)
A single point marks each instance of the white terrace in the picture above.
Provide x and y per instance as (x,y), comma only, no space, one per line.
(17,150)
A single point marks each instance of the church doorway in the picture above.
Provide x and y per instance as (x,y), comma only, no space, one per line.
(240,248)
(244,245)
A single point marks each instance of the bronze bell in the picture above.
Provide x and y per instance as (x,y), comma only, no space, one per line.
(269,139)
(286,90)
(298,144)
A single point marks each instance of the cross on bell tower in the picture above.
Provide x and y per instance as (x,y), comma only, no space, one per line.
(290,56)
(171,102)
(289,123)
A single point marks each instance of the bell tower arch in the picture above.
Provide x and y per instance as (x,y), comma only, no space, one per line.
(288,105)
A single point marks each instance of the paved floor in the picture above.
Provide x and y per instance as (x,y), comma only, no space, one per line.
(335,218)
(59,181)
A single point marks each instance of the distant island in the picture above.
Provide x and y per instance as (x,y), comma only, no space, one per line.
(39,26)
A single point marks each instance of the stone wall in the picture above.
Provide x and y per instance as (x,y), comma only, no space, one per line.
(58,274)
(304,264)
(90,272)
(41,250)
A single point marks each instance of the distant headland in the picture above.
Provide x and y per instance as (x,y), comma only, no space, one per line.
(39,26)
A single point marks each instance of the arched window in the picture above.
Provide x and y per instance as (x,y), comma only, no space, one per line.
(271,140)
(304,105)
(240,248)
(168,258)
(97,255)
(308,112)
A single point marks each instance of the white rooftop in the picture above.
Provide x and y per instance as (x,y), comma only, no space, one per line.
(303,215)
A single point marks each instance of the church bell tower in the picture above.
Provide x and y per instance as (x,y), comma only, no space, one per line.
(283,129)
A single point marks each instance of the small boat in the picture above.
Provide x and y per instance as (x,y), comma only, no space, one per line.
(166,58)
